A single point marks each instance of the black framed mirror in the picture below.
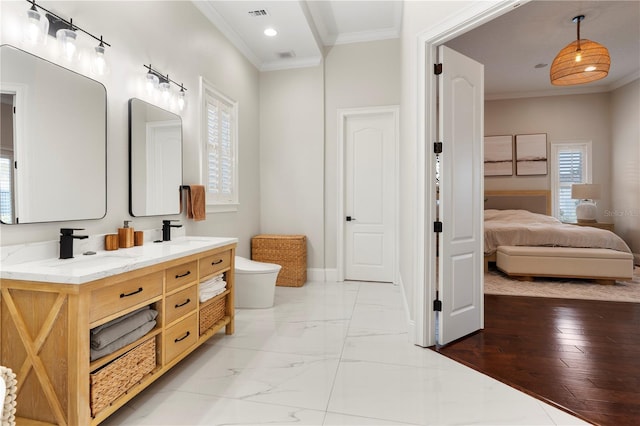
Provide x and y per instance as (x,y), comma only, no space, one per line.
(155,160)
(53,150)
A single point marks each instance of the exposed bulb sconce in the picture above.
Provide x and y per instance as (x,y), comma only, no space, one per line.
(38,25)
(581,61)
(158,81)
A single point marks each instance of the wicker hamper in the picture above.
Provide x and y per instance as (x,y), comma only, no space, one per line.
(288,251)
(115,378)
(212,313)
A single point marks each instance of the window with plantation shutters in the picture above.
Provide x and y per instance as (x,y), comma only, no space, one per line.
(571,163)
(220,147)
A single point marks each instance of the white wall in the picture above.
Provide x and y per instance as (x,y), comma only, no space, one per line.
(291,157)
(176,39)
(562,118)
(625,171)
(356,75)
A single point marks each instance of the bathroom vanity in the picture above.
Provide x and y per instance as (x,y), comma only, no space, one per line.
(49,307)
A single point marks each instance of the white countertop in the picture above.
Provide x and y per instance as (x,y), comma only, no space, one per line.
(84,268)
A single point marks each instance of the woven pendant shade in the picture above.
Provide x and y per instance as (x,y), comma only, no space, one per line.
(566,71)
(581,61)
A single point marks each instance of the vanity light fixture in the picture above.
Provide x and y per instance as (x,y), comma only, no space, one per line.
(38,25)
(581,61)
(157,80)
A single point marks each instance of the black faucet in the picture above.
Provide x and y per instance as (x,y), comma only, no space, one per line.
(66,241)
(166,229)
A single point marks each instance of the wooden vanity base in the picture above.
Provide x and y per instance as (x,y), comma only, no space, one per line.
(45,334)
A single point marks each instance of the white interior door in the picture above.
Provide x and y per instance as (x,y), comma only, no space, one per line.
(370,191)
(460,119)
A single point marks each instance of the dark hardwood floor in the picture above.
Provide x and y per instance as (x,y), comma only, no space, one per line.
(580,355)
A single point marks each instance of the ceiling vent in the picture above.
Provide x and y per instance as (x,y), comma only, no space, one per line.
(286,55)
(258,13)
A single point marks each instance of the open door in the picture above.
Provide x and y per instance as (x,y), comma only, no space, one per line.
(461,187)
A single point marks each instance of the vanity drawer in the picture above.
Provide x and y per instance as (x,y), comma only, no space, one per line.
(180,337)
(117,298)
(215,263)
(181,303)
(181,275)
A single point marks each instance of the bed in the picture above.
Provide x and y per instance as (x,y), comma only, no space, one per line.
(525,241)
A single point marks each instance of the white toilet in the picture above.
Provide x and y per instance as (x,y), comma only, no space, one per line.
(255,283)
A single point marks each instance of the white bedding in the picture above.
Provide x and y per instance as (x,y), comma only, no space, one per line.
(523,228)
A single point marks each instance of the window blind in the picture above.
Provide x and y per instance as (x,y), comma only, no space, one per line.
(221,185)
(571,169)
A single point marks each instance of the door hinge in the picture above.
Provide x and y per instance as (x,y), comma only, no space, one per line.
(437,305)
(14,110)
(15,164)
(437,69)
(437,226)
(437,147)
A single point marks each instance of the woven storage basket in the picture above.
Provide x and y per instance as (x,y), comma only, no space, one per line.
(288,251)
(115,378)
(212,313)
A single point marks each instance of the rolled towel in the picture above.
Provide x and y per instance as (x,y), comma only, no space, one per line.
(123,341)
(121,328)
(99,328)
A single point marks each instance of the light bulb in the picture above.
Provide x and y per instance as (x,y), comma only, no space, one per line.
(181,99)
(578,56)
(590,68)
(99,63)
(36,26)
(152,82)
(67,40)
(165,90)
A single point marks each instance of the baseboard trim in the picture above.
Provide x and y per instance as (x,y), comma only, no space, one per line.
(319,274)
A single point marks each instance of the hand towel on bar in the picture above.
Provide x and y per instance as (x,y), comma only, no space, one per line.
(116,331)
(99,328)
(196,201)
(123,341)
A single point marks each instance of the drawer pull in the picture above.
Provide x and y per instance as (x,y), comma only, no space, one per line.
(216,262)
(131,294)
(186,302)
(183,275)
(183,337)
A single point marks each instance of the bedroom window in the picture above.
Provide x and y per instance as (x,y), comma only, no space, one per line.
(220,169)
(571,163)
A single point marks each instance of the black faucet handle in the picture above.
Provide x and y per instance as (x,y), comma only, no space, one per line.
(69,231)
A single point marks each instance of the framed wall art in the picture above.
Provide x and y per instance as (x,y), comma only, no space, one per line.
(498,155)
(531,154)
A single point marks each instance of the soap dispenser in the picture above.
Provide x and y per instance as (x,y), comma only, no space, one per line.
(125,235)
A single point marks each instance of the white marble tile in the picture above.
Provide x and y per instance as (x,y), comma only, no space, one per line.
(379,317)
(259,376)
(318,338)
(336,419)
(165,407)
(450,395)
(389,347)
(560,417)
(385,294)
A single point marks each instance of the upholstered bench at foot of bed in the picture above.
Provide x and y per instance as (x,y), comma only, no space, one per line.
(604,265)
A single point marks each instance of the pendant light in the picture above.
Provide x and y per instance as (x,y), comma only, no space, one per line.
(581,61)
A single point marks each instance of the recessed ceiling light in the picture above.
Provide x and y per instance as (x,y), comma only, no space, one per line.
(270,32)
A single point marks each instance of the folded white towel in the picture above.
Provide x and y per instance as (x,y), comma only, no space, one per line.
(204,296)
(213,286)
(216,279)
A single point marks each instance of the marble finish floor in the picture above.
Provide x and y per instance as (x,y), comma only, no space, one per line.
(329,354)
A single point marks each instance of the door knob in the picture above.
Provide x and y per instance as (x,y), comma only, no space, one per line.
(349,218)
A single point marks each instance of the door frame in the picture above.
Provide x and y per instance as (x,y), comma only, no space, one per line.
(428,41)
(343,115)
